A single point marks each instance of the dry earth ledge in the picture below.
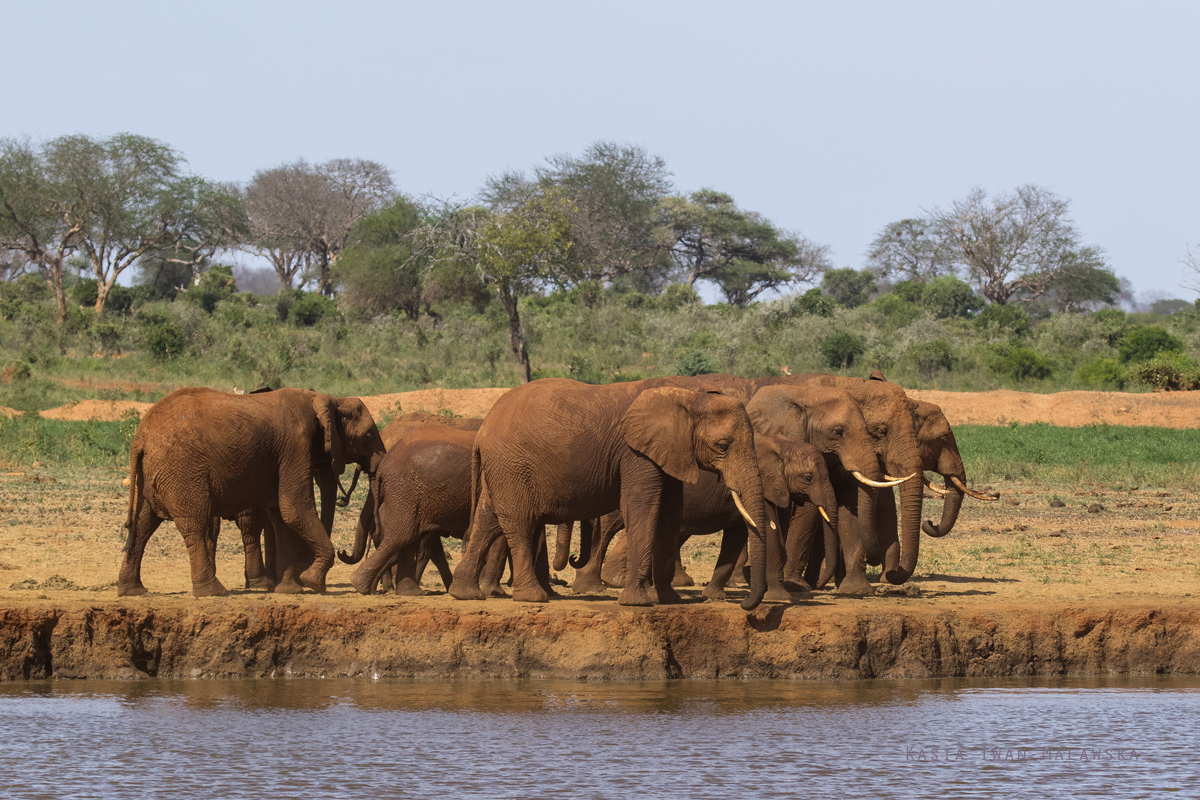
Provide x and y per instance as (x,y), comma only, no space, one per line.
(876,639)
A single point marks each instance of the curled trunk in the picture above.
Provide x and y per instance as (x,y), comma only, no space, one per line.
(952,505)
(911,496)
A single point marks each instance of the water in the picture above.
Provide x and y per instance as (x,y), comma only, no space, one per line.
(549,739)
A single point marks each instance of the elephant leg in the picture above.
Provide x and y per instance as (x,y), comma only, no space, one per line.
(493,569)
(129,578)
(433,551)
(613,570)
(666,544)
(408,583)
(801,536)
(214,533)
(854,556)
(251,522)
(733,543)
(651,505)
(587,577)
(400,538)
(484,531)
(289,555)
(886,529)
(776,556)
(681,577)
(300,514)
(196,532)
(741,569)
(523,536)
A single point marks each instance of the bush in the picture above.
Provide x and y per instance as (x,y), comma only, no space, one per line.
(697,362)
(842,349)
(165,341)
(311,309)
(930,358)
(897,312)
(675,295)
(1104,373)
(851,288)
(211,287)
(948,297)
(1012,320)
(1168,372)
(814,302)
(1143,343)
(909,291)
(1021,363)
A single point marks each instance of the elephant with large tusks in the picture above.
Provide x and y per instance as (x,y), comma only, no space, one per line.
(554,450)
(199,454)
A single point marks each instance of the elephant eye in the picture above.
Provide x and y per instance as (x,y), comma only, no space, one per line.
(721,446)
(808,477)
(839,431)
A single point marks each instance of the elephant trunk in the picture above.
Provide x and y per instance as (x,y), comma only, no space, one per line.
(562,545)
(953,501)
(366,524)
(746,487)
(911,495)
(587,531)
(831,544)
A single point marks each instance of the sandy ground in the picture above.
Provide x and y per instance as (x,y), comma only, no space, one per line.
(1000,407)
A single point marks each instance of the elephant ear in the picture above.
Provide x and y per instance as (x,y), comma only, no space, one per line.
(773,411)
(330,418)
(658,425)
(771,468)
(876,375)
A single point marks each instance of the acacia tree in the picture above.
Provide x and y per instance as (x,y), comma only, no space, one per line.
(710,238)
(1016,246)
(302,215)
(909,249)
(381,270)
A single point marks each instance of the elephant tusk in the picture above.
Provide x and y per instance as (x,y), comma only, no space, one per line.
(935,490)
(973,493)
(877,484)
(900,480)
(737,501)
(823,514)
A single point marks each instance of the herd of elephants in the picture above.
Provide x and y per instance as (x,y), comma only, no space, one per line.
(799,473)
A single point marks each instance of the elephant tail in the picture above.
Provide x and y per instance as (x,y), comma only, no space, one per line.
(136,497)
(476,482)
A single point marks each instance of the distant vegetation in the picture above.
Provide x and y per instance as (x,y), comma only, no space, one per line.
(585,267)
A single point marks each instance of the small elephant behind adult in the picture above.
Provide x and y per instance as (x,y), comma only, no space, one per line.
(199,453)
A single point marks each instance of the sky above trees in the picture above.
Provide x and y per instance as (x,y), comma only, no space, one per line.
(833,121)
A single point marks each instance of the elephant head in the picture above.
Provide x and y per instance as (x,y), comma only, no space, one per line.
(798,471)
(683,432)
(939,453)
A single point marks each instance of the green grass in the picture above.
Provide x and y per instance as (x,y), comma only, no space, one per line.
(1043,453)
(28,438)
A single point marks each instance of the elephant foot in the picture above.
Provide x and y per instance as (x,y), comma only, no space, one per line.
(530,594)
(683,579)
(856,584)
(634,596)
(213,588)
(587,584)
(361,584)
(263,584)
(665,597)
(132,590)
(313,578)
(613,580)
(288,586)
(778,594)
(796,585)
(460,590)
(713,592)
(407,587)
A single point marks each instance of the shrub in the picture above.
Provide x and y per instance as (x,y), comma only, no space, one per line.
(851,288)
(106,334)
(165,340)
(1021,363)
(909,291)
(211,287)
(897,312)
(1104,373)
(697,362)
(675,295)
(1143,343)
(1012,320)
(1168,372)
(930,358)
(947,297)
(842,349)
(16,371)
(1112,324)
(814,302)
(311,308)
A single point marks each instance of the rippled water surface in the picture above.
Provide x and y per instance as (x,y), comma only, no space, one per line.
(546,739)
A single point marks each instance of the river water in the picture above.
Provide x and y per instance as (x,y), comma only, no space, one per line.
(1115,737)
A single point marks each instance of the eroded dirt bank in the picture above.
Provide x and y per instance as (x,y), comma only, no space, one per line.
(873,639)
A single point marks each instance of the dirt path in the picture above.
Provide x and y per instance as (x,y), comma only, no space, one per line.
(1000,407)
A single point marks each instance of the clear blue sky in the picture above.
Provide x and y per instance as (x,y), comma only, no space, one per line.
(830,119)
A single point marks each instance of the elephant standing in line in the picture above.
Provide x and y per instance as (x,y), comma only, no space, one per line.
(554,450)
(793,474)
(200,453)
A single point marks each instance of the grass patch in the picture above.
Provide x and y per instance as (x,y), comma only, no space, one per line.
(1115,454)
(28,438)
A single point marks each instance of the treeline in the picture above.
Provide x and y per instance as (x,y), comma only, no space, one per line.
(589,262)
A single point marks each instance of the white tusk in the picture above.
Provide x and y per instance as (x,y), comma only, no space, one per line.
(823,514)
(973,493)
(772,525)
(934,489)
(877,484)
(737,501)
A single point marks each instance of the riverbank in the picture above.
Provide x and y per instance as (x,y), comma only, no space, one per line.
(439,638)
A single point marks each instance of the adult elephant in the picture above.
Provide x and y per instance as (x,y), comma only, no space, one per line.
(199,454)
(554,450)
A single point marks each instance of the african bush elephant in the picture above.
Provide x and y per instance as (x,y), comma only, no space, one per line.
(554,450)
(199,454)
(793,475)
(893,433)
